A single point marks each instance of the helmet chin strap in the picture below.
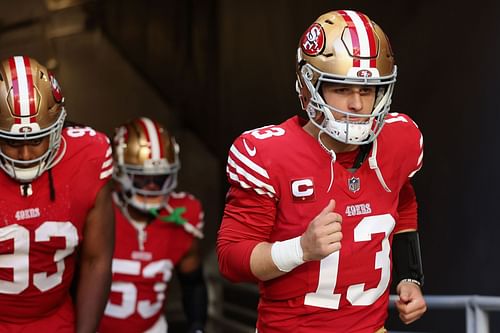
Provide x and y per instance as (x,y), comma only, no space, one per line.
(333,156)
(330,152)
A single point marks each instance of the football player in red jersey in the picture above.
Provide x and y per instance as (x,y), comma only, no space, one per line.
(157,232)
(315,207)
(57,217)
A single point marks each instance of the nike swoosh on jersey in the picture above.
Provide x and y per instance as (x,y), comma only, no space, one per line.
(250,152)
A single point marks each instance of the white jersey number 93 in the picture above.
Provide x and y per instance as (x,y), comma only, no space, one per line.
(19,261)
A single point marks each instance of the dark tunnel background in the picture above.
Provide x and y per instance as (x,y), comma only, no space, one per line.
(214,69)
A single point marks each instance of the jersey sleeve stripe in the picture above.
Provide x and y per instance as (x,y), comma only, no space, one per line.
(191,229)
(106,168)
(235,178)
(415,171)
(106,174)
(250,164)
(107,163)
(420,157)
(249,177)
(201,220)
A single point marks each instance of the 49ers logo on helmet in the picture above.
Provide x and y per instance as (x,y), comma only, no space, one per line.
(364,73)
(313,40)
(56,89)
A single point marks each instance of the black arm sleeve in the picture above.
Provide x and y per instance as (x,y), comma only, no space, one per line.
(194,299)
(407,261)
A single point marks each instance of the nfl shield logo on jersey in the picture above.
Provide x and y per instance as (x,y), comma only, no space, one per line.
(354,184)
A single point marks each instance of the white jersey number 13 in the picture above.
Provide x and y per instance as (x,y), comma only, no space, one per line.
(324,297)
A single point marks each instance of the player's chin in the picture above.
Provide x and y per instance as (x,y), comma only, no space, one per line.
(150,200)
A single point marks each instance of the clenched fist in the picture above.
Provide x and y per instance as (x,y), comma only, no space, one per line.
(323,235)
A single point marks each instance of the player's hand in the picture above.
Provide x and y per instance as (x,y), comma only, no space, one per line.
(411,304)
(322,236)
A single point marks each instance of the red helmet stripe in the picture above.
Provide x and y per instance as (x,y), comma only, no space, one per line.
(31,89)
(354,37)
(153,137)
(160,141)
(23,89)
(145,130)
(15,90)
(362,38)
(371,41)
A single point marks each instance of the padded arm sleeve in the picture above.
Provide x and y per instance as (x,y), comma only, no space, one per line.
(407,260)
(194,298)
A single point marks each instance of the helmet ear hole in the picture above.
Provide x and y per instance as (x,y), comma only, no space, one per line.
(304,95)
(125,181)
(311,112)
(304,102)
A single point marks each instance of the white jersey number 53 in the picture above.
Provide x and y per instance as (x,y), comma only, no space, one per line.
(130,303)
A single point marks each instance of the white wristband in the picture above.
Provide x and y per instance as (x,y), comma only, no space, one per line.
(287,254)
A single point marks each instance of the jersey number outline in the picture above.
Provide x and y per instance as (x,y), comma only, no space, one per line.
(19,260)
(267,132)
(130,302)
(78,132)
(324,296)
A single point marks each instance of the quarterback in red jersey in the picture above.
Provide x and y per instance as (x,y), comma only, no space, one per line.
(57,217)
(321,212)
(156,233)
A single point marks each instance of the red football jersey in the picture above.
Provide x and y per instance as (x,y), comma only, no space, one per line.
(281,179)
(143,264)
(39,237)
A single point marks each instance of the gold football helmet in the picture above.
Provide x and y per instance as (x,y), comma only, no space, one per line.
(147,160)
(345,47)
(31,107)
